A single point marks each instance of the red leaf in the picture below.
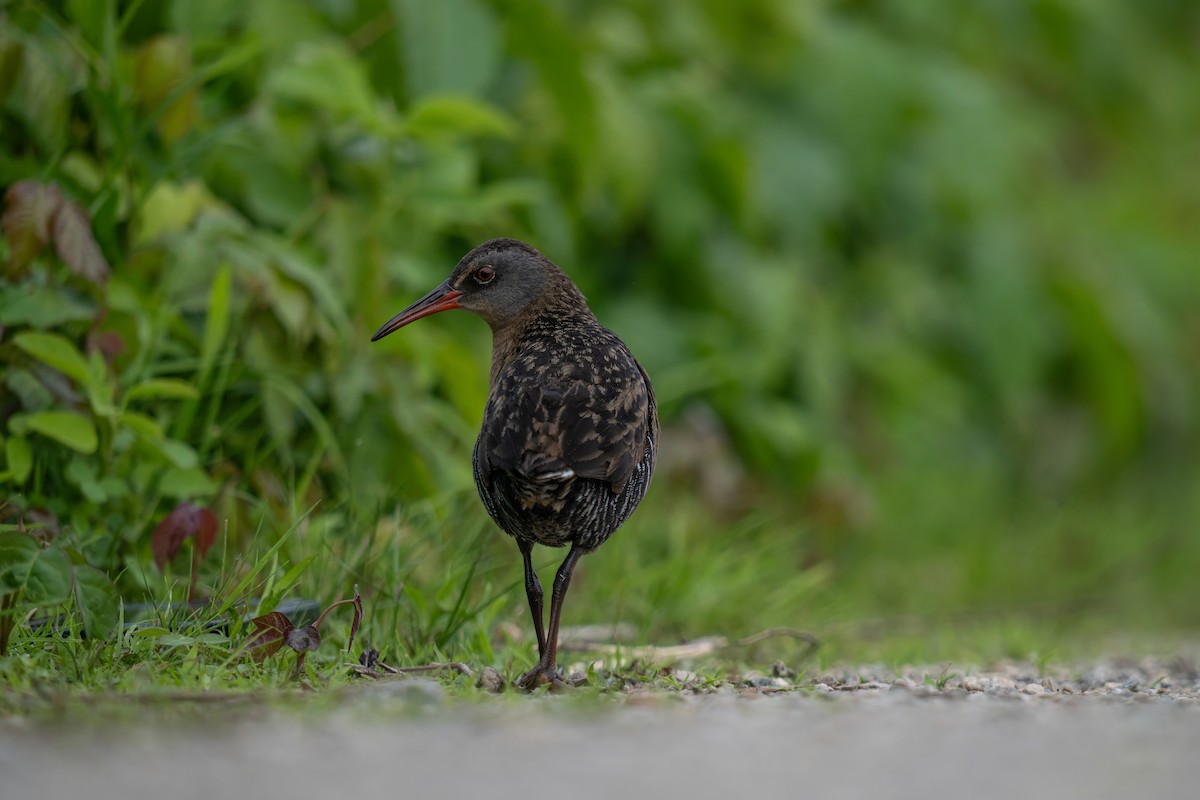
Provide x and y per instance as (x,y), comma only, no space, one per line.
(272,630)
(185,521)
(76,246)
(29,209)
(206,534)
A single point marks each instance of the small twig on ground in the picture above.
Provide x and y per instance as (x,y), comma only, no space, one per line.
(378,669)
(770,633)
(649,652)
(703,646)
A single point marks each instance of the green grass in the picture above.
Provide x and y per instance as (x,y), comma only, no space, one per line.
(440,583)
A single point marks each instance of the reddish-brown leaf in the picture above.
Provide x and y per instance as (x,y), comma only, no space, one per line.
(29,211)
(109,344)
(187,520)
(206,534)
(358,616)
(77,246)
(271,631)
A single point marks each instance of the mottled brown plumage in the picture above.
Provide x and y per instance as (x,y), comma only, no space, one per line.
(569,433)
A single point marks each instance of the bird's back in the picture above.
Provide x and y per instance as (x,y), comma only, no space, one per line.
(569,433)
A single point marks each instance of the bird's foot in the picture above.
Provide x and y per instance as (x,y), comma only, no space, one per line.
(541,675)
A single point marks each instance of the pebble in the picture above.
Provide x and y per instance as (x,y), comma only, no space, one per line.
(490,681)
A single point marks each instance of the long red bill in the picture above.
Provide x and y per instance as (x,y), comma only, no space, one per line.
(443,298)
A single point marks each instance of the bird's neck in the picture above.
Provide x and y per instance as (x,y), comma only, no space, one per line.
(557,315)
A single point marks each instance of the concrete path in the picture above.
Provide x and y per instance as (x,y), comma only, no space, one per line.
(409,742)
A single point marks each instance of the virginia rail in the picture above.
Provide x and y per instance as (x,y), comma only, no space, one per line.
(570,429)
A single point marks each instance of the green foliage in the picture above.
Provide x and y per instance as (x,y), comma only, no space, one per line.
(38,575)
(916,288)
(42,574)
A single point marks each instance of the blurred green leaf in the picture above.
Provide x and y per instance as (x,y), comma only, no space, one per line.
(292,307)
(58,352)
(42,575)
(216,326)
(144,425)
(19,457)
(41,96)
(74,430)
(162,70)
(80,168)
(41,307)
(93,18)
(170,208)
(186,484)
(11,57)
(209,19)
(180,454)
(83,475)
(101,391)
(448,115)
(452,46)
(95,598)
(316,282)
(149,631)
(537,31)
(274,194)
(329,78)
(162,388)
(28,389)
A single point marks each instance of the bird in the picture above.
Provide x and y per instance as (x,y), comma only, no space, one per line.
(569,436)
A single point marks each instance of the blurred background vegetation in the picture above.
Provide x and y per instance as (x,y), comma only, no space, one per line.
(917,285)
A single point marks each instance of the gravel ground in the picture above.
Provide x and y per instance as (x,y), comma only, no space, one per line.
(1110,730)
(1144,680)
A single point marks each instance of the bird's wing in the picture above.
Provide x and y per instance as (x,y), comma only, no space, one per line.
(589,429)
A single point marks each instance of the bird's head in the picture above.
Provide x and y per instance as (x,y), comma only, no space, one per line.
(497,281)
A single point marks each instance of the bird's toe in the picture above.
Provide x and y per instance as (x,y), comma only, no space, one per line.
(541,676)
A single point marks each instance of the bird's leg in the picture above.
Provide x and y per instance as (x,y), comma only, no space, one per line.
(546,671)
(533,591)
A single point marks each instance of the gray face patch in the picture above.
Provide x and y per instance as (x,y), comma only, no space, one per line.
(520,276)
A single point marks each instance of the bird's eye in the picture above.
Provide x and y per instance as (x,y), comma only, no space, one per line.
(485,274)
